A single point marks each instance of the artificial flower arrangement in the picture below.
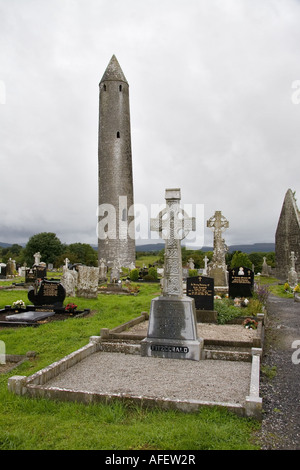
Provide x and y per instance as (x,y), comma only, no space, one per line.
(70,308)
(19,304)
(250,323)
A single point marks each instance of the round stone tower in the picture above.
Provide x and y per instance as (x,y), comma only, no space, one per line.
(116,243)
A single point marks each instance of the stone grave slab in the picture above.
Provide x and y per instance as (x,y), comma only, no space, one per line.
(29,316)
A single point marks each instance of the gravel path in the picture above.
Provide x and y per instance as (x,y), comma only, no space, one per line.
(281,394)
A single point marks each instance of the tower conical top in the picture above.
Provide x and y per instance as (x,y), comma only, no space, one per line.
(114,71)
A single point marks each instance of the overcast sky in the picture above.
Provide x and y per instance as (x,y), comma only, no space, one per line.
(213,110)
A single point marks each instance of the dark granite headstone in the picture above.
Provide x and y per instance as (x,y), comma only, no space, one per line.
(3,272)
(30,275)
(240,282)
(41,272)
(201,289)
(172,330)
(50,293)
(37,272)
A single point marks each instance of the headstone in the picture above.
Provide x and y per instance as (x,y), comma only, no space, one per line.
(37,272)
(37,258)
(22,271)
(201,289)
(88,279)
(10,266)
(191,263)
(172,330)
(217,266)
(205,266)
(2,270)
(69,282)
(40,272)
(30,276)
(102,270)
(241,282)
(185,273)
(115,272)
(293,275)
(50,293)
(265,268)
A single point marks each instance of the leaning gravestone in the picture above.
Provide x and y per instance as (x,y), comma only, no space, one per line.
(50,294)
(172,330)
(201,289)
(241,282)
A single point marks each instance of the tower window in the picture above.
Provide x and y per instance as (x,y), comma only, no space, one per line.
(120,87)
(118,135)
(104,87)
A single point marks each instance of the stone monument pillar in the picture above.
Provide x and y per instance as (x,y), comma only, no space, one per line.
(172,330)
(293,276)
(217,266)
(205,266)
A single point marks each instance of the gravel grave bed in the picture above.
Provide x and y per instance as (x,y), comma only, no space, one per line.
(114,373)
(209,331)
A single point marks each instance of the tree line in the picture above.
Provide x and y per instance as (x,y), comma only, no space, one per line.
(233,260)
(52,251)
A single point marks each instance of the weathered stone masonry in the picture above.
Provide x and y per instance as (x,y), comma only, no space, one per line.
(115,164)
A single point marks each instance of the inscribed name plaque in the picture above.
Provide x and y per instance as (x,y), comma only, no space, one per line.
(201,289)
(241,281)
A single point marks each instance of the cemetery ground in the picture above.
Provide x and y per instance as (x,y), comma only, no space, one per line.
(27,423)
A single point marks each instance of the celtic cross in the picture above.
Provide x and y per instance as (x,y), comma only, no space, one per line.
(218,223)
(173,225)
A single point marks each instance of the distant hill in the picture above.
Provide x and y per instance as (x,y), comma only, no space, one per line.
(255,247)
(5,245)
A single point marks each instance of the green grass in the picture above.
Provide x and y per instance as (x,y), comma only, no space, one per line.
(149,259)
(34,424)
(279,291)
